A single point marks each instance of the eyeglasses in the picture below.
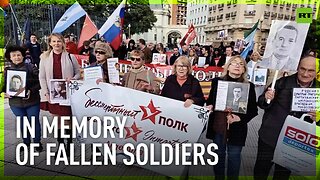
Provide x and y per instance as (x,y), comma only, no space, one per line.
(100,52)
(237,64)
(135,59)
(182,66)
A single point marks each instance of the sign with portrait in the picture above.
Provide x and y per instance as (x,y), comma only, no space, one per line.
(284,45)
(59,92)
(260,76)
(16,83)
(113,70)
(305,99)
(232,96)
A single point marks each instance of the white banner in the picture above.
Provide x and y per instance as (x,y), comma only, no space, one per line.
(151,119)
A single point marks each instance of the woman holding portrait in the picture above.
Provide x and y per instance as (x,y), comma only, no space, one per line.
(57,63)
(228,129)
(29,105)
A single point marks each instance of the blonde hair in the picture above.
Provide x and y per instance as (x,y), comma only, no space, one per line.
(243,77)
(185,61)
(256,52)
(60,37)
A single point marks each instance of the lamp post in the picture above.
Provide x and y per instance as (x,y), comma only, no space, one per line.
(129,26)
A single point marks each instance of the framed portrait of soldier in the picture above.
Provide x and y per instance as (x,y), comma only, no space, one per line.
(16,83)
(59,92)
(156,58)
(284,45)
(232,96)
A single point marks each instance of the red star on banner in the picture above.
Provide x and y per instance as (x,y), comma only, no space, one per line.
(135,133)
(153,112)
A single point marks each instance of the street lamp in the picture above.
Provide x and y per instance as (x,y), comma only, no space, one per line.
(129,26)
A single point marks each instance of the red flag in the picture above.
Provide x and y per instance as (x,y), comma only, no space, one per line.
(89,29)
(190,30)
(4,3)
(191,37)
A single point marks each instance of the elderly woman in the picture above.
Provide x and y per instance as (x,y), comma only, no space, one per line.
(181,85)
(57,63)
(28,106)
(139,77)
(232,139)
(102,51)
(254,65)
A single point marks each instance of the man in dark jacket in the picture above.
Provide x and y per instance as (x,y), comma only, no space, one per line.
(275,114)
(34,48)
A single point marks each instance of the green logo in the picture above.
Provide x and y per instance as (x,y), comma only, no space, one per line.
(304,15)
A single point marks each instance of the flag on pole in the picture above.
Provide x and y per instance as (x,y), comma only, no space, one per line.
(191,31)
(26,31)
(74,13)
(249,40)
(191,37)
(89,29)
(111,29)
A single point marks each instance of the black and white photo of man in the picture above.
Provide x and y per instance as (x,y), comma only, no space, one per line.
(285,43)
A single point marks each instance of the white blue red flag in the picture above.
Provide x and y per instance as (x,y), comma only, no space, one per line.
(111,29)
(74,13)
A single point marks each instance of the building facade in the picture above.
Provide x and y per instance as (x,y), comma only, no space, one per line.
(238,18)
(197,15)
(166,30)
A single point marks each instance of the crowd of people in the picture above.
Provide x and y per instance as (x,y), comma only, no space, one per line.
(225,128)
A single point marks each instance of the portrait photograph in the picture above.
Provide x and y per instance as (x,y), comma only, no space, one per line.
(232,96)
(58,91)
(260,76)
(16,83)
(284,45)
(155,58)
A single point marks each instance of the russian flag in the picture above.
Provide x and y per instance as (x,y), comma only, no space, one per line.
(111,29)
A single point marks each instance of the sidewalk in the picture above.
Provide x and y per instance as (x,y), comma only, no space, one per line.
(11,168)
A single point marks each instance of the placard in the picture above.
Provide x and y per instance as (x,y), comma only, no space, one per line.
(260,76)
(58,92)
(16,83)
(305,99)
(113,70)
(232,96)
(92,73)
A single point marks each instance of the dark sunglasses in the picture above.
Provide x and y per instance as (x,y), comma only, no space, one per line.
(135,59)
(100,52)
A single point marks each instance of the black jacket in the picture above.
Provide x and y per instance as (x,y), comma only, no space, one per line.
(237,133)
(32,84)
(278,109)
(191,89)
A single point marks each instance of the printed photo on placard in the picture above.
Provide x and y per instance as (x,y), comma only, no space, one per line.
(250,74)
(163,58)
(232,96)
(16,83)
(155,58)
(113,70)
(284,45)
(260,76)
(201,61)
(305,99)
(58,91)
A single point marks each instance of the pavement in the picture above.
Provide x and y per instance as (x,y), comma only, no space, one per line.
(120,171)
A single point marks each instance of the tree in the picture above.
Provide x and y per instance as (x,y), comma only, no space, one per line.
(313,37)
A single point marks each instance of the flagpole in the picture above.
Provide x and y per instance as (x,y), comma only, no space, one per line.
(15,17)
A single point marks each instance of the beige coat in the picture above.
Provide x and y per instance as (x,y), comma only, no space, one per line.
(133,79)
(70,69)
